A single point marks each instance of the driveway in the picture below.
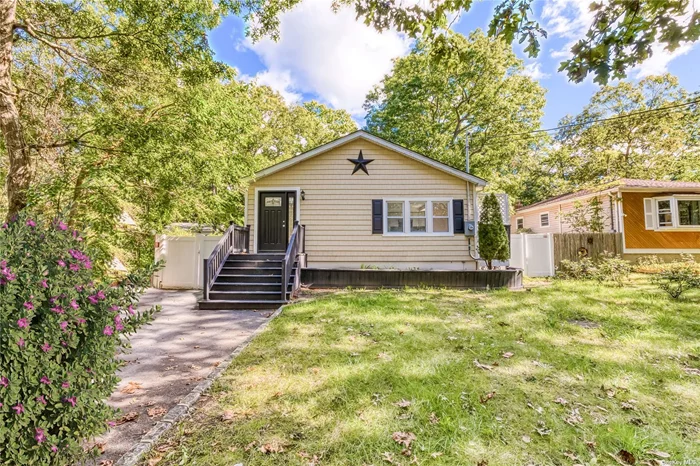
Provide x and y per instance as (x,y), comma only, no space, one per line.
(168,359)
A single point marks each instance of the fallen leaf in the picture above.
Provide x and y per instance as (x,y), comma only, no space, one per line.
(508,355)
(526,438)
(228,415)
(436,454)
(404,438)
(106,463)
(155,460)
(691,371)
(131,387)
(388,457)
(624,457)
(485,399)
(250,445)
(627,406)
(433,418)
(485,367)
(561,401)
(658,453)
(157,411)
(574,417)
(272,447)
(165,447)
(403,404)
(571,456)
(384,356)
(128,417)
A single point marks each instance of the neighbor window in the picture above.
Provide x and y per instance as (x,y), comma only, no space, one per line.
(544,219)
(519,223)
(418,217)
(679,211)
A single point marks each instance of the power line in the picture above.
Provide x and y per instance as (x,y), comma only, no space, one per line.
(600,120)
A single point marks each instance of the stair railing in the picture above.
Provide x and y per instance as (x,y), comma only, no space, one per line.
(236,239)
(295,247)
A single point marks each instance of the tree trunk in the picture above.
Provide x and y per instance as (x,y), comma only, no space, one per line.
(19,173)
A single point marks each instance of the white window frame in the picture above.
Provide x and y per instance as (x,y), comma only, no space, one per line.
(675,217)
(428,217)
(519,220)
(549,220)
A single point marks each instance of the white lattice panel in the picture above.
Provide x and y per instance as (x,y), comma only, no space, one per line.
(502,201)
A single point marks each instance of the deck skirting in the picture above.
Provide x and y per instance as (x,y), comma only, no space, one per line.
(369,278)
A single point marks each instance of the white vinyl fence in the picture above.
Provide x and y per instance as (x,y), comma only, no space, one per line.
(183,256)
(534,253)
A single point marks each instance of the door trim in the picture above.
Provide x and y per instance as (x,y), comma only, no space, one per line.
(256,205)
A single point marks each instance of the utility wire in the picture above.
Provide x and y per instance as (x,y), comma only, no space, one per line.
(600,120)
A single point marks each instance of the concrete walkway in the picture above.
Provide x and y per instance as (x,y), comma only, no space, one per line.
(169,358)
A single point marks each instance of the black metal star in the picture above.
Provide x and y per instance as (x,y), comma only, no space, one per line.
(360,164)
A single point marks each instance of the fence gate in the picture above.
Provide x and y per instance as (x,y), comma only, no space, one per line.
(534,253)
(572,246)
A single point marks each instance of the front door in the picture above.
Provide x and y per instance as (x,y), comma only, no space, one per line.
(276,219)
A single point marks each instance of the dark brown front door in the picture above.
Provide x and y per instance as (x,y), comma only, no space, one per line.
(276,218)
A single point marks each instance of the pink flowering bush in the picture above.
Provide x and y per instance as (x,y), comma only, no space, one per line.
(61,331)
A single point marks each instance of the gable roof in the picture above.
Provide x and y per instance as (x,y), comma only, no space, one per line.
(621,183)
(360,134)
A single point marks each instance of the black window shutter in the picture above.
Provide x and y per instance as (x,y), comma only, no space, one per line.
(377,218)
(458,214)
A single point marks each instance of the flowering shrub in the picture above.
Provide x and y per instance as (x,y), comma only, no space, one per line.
(678,276)
(607,268)
(61,330)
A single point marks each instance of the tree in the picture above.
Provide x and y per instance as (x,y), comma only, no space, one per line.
(493,238)
(586,217)
(640,141)
(620,36)
(430,106)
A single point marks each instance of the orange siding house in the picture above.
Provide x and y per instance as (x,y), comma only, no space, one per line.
(654,217)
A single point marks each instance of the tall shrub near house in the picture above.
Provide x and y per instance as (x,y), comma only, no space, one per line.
(61,330)
(493,239)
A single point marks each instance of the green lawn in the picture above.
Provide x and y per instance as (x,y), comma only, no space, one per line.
(563,374)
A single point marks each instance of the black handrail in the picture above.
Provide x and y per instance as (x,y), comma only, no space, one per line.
(235,239)
(294,248)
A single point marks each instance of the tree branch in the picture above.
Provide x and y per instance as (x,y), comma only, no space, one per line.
(64,143)
(29,29)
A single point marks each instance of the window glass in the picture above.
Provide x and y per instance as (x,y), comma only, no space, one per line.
(663,210)
(544,220)
(519,224)
(273,202)
(418,220)
(441,217)
(394,221)
(689,212)
(290,215)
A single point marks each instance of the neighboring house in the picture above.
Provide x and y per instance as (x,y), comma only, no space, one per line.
(365,202)
(654,217)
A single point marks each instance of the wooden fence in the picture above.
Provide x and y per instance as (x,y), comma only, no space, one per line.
(571,246)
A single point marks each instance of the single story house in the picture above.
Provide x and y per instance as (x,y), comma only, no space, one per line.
(366,202)
(654,217)
(355,207)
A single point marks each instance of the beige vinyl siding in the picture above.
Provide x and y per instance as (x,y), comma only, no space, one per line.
(531,218)
(337,210)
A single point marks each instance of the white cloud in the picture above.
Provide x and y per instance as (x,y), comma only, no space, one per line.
(331,55)
(280,81)
(569,19)
(658,62)
(534,70)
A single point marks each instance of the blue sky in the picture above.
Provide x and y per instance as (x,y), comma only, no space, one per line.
(336,60)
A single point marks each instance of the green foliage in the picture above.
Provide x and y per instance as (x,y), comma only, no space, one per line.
(61,329)
(586,218)
(679,276)
(430,105)
(653,145)
(606,268)
(493,238)
(620,36)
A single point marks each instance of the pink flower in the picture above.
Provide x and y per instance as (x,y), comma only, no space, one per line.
(19,408)
(111,423)
(39,435)
(101,294)
(72,401)
(44,284)
(65,384)
(23,322)
(63,325)
(108,330)
(74,267)
(46,347)
(62,226)
(79,287)
(131,310)
(41,399)
(4,381)
(61,263)
(93,299)
(21,342)
(114,308)
(87,264)
(57,310)
(31,223)
(45,380)
(81,321)
(29,305)
(74,304)
(54,448)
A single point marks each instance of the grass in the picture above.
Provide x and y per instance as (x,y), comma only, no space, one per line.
(596,373)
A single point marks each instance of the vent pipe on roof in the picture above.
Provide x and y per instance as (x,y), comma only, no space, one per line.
(466,151)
